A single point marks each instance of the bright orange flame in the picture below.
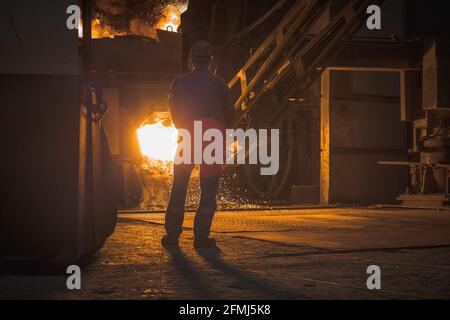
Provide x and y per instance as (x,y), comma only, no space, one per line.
(170,21)
(171,17)
(158,140)
(100,30)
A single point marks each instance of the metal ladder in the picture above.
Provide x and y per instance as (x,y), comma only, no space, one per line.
(291,53)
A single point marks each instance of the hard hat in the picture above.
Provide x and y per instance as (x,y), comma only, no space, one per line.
(202,49)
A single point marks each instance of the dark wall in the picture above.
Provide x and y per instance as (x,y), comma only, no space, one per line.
(427,18)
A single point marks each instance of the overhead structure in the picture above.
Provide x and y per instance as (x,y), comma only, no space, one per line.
(293,53)
(285,65)
(273,54)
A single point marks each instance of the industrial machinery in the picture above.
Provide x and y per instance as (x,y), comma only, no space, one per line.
(363,114)
(429,162)
(346,98)
(58,191)
(135,73)
(71,107)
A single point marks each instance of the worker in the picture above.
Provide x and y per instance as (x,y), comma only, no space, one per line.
(196,96)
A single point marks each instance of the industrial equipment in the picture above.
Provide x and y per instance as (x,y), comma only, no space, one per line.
(314,70)
(58,191)
(363,114)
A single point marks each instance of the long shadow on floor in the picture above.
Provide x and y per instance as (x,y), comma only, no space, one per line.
(266,286)
(187,269)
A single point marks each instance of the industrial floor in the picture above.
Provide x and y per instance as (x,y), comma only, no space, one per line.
(273,254)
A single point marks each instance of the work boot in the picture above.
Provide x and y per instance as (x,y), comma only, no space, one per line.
(174,223)
(202,223)
(167,241)
(205,243)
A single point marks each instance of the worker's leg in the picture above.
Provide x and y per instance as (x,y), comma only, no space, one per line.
(175,208)
(209,184)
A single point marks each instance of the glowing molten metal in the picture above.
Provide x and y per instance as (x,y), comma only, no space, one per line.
(171,17)
(158,140)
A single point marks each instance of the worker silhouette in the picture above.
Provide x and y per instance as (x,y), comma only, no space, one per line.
(196,96)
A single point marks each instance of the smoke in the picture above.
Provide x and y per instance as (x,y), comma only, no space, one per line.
(139,17)
(112,6)
(139,27)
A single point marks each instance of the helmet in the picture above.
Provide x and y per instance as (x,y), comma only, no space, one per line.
(201,49)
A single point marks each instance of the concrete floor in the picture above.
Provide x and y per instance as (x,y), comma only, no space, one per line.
(280,254)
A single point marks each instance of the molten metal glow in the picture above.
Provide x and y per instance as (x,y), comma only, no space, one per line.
(100,30)
(171,17)
(158,141)
(170,21)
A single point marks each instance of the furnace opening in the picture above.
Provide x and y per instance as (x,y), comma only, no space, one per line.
(157,138)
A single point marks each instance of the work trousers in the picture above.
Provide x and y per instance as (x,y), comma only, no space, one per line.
(209,183)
